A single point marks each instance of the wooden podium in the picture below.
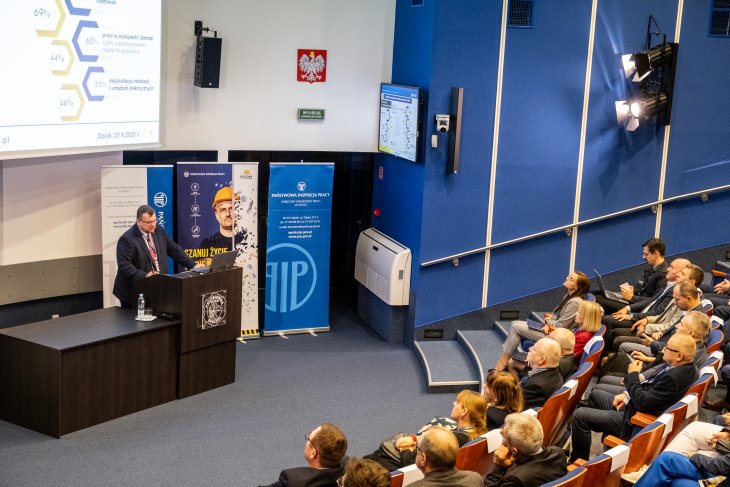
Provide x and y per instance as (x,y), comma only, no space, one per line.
(209,308)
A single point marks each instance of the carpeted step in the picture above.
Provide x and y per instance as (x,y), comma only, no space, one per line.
(484,348)
(447,366)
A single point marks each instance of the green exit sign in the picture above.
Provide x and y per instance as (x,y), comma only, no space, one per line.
(311,114)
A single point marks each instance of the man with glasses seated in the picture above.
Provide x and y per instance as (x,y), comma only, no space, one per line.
(324,451)
(142,251)
(522,460)
(436,451)
(611,414)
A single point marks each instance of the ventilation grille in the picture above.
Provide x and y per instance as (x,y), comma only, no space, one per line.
(520,13)
(720,18)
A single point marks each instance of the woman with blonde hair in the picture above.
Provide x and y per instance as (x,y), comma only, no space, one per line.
(468,420)
(503,394)
(588,320)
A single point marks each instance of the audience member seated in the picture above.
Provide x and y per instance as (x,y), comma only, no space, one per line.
(694,454)
(627,317)
(469,411)
(544,377)
(364,473)
(565,338)
(686,298)
(436,451)
(324,451)
(611,414)
(563,316)
(653,279)
(522,460)
(504,396)
(695,324)
(572,343)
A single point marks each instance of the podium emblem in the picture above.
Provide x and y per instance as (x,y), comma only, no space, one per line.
(213,309)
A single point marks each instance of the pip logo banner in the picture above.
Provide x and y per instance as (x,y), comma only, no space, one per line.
(312,65)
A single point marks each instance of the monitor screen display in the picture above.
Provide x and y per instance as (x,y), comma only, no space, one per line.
(400,121)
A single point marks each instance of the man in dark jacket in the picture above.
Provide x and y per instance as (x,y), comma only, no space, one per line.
(611,415)
(142,251)
(544,377)
(324,451)
(522,460)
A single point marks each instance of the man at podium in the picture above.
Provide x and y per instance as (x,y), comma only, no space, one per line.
(142,251)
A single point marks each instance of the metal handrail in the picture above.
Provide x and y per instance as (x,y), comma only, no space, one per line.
(454,259)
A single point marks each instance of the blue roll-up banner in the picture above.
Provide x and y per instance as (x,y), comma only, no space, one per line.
(123,190)
(298,248)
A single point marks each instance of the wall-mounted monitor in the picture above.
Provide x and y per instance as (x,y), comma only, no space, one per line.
(400,121)
(79,76)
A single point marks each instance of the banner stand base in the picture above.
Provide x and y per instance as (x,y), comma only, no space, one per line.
(295,331)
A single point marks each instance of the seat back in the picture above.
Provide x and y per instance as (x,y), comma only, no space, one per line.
(583,377)
(707,306)
(714,340)
(701,386)
(478,453)
(405,476)
(574,478)
(645,446)
(606,469)
(553,413)
(593,354)
(679,413)
(591,297)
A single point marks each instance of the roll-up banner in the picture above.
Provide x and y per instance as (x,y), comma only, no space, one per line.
(217,209)
(298,248)
(123,190)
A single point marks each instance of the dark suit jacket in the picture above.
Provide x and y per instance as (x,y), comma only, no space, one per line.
(654,280)
(663,299)
(134,260)
(654,397)
(546,466)
(537,388)
(450,478)
(310,477)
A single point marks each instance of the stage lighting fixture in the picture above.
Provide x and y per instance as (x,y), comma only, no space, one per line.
(654,69)
(642,64)
(641,108)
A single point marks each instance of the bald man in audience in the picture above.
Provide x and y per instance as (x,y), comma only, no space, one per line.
(521,460)
(611,414)
(436,450)
(567,364)
(544,377)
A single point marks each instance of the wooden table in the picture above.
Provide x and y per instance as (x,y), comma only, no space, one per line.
(63,375)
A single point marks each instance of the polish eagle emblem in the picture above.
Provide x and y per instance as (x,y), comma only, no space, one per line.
(312,66)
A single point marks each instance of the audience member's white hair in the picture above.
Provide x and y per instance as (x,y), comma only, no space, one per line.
(523,432)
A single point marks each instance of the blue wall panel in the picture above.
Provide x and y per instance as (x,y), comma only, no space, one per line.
(539,134)
(437,301)
(614,244)
(699,144)
(528,268)
(693,224)
(455,206)
(620,169)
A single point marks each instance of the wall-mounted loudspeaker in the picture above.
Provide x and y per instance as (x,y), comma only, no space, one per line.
(208,61)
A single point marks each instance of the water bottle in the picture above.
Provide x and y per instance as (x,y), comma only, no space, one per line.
(140,307)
